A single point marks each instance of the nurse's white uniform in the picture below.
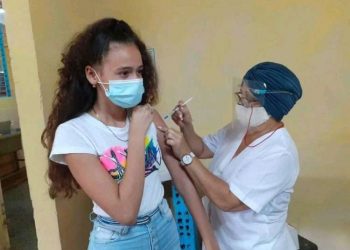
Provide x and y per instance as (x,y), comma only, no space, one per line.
(263,178)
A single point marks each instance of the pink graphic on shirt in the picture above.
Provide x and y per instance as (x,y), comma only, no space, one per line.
(114,159)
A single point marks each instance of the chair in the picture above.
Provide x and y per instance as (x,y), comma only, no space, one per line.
(305,244)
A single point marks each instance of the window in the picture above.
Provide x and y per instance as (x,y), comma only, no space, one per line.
(5,90)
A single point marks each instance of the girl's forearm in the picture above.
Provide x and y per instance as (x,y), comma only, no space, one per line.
(188,191)
(131,188)
(198,212)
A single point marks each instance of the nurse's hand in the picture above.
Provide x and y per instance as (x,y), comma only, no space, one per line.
(176,141)
(182,117)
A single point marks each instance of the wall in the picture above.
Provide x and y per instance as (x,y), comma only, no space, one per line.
(28,96)
(38,30)
(200,47)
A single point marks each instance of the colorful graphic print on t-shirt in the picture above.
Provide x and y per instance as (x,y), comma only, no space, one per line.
(114,159)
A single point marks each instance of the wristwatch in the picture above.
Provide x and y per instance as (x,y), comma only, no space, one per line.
(187,159)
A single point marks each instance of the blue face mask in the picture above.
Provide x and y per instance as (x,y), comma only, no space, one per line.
(124,93)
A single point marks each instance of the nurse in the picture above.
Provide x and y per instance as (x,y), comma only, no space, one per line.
(254,161)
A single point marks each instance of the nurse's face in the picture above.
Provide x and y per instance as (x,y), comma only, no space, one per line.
(246,98)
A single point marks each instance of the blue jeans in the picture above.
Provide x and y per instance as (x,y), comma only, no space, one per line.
(155,231)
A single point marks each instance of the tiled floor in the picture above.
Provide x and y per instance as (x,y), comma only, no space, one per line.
(19,214)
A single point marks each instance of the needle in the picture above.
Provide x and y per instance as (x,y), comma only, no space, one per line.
(177,108)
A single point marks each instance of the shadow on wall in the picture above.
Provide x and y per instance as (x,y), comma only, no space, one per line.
(320,212)
(75,210)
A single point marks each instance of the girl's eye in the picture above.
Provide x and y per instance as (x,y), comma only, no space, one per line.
(124,74)
(140,72)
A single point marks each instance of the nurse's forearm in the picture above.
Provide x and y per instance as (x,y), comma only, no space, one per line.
(214,188)
(196,143)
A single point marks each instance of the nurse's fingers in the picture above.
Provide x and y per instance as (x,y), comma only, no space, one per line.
(162,129)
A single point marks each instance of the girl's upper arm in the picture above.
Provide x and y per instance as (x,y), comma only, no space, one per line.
(159,122)
(179,176)
(95,181)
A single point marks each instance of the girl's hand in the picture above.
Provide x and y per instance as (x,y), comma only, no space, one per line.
(176,141)
(141,118)
(182,117)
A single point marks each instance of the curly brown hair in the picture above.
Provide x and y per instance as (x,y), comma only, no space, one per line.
(75,95)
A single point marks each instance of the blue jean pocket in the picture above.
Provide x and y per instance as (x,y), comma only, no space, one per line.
(103,235)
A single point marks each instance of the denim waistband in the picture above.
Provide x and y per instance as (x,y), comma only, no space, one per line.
(139,220)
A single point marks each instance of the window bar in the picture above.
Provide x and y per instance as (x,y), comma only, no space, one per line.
(4,62)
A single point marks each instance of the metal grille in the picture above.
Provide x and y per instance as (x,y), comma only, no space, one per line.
(185,223)
(4,79)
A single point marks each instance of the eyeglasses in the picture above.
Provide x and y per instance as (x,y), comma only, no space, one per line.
(245,101)
(253,93)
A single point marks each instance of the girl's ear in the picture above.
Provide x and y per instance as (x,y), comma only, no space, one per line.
(91,76)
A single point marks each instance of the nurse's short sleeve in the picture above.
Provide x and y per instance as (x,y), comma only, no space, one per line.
(258,182)
(68,140)
(213,141)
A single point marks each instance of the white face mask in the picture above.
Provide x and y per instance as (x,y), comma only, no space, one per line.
(258,117)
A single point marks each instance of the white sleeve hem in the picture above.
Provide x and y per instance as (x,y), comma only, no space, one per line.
(243,198)
(58,153)
(209,145)
(72,150)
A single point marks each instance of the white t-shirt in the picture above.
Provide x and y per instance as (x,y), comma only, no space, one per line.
(262,177)
(85,134)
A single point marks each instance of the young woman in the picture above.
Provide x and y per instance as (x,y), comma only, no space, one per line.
(102,138)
